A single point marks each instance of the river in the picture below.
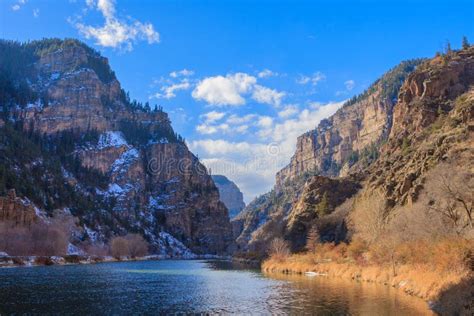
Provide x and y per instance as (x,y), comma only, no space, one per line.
(171,286)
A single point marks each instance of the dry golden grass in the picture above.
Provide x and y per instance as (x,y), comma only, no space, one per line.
(426,270)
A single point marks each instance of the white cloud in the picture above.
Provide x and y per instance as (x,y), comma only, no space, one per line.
(213,116)
(266,73)
(266,95)
(265,121)
(233,89)
(235,119)
(168,92)
(116,33)
(242,129)
(288,111)
(226,90)
(36,13)
(17,6)
(220,146)
(253,165)
(181,73)
(314,79)
(207,129)
(350,84)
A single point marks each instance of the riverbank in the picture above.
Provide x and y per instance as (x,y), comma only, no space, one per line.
(448,292)
(31,261)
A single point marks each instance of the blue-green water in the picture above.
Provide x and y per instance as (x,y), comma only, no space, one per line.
(165,287)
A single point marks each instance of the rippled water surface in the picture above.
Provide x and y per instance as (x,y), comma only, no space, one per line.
(151,287)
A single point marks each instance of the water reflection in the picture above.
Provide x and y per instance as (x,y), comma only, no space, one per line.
(190,287)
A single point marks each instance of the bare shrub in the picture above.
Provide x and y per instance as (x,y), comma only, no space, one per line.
(40,239)
(279,249)
(356,248)
(450,191)
(119,247)
(369,216)
(417,222)
(137,246)
(132,245)
(263,236)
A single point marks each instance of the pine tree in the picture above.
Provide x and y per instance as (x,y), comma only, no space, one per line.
(448,49)
(323,206)
(465,43)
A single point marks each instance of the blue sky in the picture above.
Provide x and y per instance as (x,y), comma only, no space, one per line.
(242,79)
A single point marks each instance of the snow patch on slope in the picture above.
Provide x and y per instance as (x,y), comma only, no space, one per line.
(111,139)
(125,160)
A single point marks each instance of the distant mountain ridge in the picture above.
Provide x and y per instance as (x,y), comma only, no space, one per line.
(230,195)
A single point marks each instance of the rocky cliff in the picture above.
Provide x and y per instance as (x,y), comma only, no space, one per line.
(229,194)
(114,163)
(386,142)
(354,132)
(16,210)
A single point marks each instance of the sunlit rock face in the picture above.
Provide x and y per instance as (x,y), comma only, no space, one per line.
(153,184)
(229,194)
(416,117)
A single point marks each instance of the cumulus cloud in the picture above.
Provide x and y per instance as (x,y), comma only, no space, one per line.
(265,121)
(288,111)
(228,90)
(313,79)
(233,90)
(207,129)
(168,92)
(213,116)
(116,32)
(266,95)
(253,165)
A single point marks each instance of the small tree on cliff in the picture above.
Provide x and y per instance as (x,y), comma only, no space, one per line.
(465,43)
(447,48)
(322,208)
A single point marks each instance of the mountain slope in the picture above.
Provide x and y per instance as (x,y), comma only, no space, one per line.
(229,194)
(342,144)
(74,142)
(382,153)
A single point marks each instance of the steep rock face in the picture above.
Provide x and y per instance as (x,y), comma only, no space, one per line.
(74,97)
(147,180)
(343,144)
(332,148)
(432,123)
(229,194)
(16,210)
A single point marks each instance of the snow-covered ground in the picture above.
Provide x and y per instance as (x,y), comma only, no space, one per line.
(111,139)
